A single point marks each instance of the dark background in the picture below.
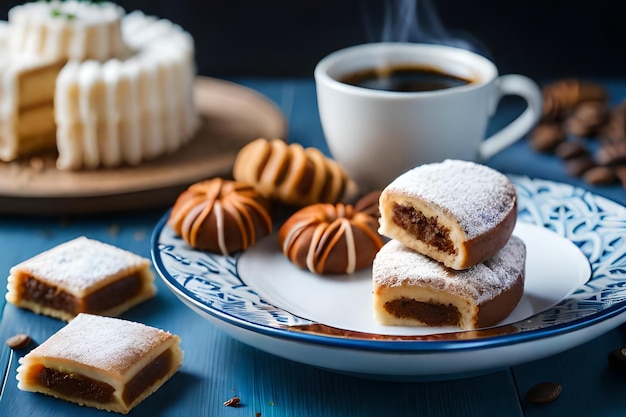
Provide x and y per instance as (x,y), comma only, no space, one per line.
(539,38)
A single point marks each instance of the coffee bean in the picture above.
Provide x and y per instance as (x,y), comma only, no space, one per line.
(600,175)
(543,393)
(591,91)
(578,127)
(578,165)
(613,131)
(232,402)
(587,118)
(620,171)
(571,149)
(617,359)
(551,110)
(546,137)
(18,341)
(612,153)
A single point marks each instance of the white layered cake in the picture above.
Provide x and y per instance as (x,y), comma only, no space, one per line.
(103,87)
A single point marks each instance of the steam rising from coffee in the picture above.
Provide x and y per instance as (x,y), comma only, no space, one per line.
(413,21)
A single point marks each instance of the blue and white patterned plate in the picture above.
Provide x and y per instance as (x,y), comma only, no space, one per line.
(575,290)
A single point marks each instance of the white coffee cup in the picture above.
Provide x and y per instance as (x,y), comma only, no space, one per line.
(376,135)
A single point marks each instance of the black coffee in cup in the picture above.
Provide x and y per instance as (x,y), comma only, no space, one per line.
(404,78)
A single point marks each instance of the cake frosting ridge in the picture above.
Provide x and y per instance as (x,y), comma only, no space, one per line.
(68,29)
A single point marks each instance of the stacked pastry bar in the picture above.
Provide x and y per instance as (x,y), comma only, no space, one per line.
(452,259)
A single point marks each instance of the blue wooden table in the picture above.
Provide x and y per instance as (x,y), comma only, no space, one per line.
(217,367)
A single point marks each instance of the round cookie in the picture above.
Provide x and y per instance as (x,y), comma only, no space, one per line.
(221,216)
(331,238)
(291,174)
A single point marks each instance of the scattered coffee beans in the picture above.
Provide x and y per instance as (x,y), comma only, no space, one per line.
(232,402)
(575,115)
(562,97)
(18,341)
(543,393)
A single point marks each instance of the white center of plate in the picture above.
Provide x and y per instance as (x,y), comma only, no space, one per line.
(555,268)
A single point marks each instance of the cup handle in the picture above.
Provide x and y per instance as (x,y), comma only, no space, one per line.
(526,88)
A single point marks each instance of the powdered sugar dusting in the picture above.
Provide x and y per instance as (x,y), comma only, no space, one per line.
(395,265)
(81,264)
(477,196)
(110,344)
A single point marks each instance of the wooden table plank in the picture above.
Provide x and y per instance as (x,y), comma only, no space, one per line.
(294,389)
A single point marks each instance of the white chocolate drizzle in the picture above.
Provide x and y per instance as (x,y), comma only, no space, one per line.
(330,225)
(210,205)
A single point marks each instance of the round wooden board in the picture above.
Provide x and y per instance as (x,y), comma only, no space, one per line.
(231,116)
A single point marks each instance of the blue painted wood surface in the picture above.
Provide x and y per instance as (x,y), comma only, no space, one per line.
(217,367)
